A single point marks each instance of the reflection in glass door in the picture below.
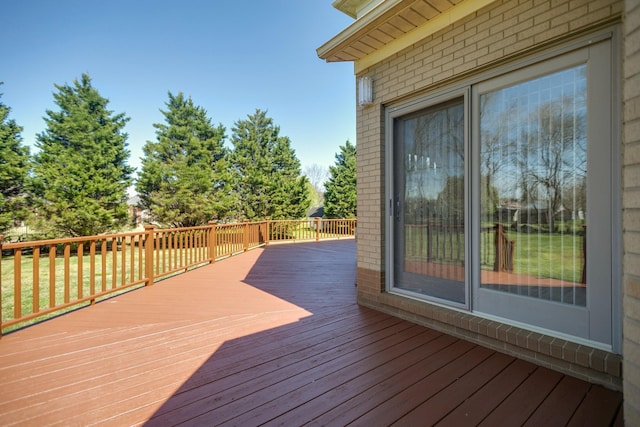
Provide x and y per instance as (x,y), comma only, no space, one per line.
(533,199)
(429,203)
(503,199)
(543,191)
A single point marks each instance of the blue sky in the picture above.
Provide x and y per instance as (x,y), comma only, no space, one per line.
(230,56)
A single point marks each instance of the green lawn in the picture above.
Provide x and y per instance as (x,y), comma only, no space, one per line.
(556,256)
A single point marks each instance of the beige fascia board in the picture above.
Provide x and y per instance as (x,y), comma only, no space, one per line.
(345,6)
(367,6)
(335,44)
(434,25)
(354,8)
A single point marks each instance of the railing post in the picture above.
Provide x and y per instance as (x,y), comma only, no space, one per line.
(212,242)
(268,232)
(246,236)
(148,250)
(318,225)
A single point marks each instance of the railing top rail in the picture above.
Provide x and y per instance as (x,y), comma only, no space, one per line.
(99,237)
(181,229)
(47,242)
(223,224)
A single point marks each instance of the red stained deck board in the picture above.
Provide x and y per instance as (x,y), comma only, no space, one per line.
(273,335)
(399,405)
(517,408)
(439,405)
(599,407)
(243,390)
(318,385)
(432,353)
(560,405)
(262,391)
(348,390)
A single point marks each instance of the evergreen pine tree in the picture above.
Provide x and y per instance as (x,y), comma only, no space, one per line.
(340,195)
(267,171)
(14,167)
(185,179)
(81,173)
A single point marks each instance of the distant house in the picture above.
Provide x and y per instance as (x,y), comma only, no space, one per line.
(136,213)
(539,97)
(315,212)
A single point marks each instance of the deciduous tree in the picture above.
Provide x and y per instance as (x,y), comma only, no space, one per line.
(317,175)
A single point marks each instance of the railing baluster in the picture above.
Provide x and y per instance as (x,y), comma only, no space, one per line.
(123,261)
(169,252)
(173,239)
(17,283)
(182,251)
(132,259)
(80,255)
(197,246)
(103,254)
(140,256)
(36,280)
(92,270)
(52,275)
(192,248)
(67,272)
(114,263)
(163,251)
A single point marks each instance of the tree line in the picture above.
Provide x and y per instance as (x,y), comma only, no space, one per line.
(77,182)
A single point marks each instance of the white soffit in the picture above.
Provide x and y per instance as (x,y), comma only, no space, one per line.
(393,25)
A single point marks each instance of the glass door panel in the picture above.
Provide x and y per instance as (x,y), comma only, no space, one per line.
(429,201)
(533,187)
(542,195)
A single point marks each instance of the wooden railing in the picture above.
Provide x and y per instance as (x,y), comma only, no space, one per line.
(442,243)
(47,277)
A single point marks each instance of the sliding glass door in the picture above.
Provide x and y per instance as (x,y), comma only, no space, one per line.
(501,196)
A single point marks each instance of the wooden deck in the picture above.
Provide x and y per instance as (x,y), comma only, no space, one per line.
(273,337)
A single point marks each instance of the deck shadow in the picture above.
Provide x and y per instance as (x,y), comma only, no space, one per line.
(272,336)
(343,363)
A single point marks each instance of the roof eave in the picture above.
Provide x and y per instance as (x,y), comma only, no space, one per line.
(330,51)
(345,45)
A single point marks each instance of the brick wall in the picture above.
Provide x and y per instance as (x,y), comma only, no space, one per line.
(631,212)
(493,34)
(501,32)
(370,199)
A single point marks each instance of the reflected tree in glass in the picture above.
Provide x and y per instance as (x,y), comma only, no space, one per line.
(533,164)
